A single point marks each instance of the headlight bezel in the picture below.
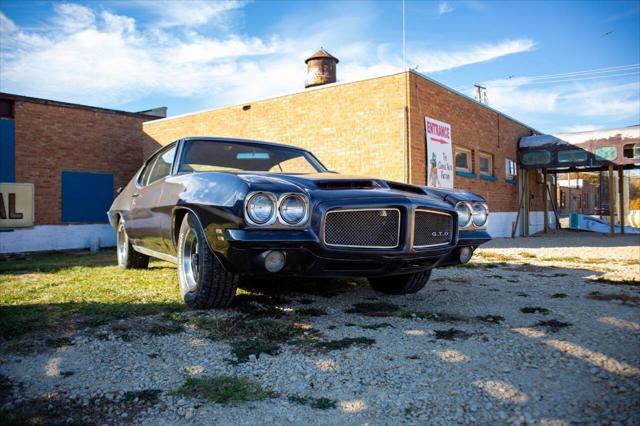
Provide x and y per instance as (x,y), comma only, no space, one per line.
(469,207)
(274,214)
(305,204)
(483,206)
(276,220)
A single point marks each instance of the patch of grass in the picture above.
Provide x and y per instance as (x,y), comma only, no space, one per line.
(375,309)
(65,291)
(149,395)
(243,349)
(311,312)
(317,403)
(59,342)
(245,327)
(323,404)
(534,310)
(619,297)
(603,280)
(334,345)
(376,326)
(452,334)
(499,257)
(559,295)
(553,325)
(223,389)
(493,319)
(466,265)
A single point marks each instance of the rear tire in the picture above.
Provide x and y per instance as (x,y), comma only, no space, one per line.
(128,258)
(204,282)
(401,284)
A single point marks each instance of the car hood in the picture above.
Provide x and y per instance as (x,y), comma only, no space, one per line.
(333,181)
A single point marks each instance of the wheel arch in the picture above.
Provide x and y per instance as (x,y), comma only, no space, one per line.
(178,216)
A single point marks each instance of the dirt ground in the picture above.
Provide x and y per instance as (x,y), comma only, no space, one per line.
(542,330)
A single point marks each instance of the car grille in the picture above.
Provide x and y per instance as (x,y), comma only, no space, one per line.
(432,228)
(366,228)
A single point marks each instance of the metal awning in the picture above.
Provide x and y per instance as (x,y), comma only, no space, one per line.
(595,150)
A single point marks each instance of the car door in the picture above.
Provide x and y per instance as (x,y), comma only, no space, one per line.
(145,227)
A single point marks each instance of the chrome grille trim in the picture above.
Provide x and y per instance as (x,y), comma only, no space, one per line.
(451,230)
(397,236)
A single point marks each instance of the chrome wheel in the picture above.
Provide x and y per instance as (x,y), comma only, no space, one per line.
(189,264)
(122,244)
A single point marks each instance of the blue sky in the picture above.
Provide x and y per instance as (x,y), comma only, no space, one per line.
(557,66)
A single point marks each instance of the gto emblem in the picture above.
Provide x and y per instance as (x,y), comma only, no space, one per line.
(440,234)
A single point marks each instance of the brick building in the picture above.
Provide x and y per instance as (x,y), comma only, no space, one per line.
(376,127)
(70,159)
(73,157)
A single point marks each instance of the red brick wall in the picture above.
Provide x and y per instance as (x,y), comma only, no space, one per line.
(473,127)
(50,139)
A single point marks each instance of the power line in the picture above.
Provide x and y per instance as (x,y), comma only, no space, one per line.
(568,80)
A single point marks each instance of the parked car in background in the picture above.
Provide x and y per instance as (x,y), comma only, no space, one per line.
(602,210)
(223,209)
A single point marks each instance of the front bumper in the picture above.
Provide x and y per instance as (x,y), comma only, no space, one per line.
(306,255)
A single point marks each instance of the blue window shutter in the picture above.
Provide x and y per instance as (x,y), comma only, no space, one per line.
(86,197)
(7,150)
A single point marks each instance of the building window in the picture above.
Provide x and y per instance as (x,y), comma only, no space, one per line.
(86,197)
(510,169)
(631,150)
(563,199)
(536,158)
(463,160)
(486,164)
(606,153)
(572,156)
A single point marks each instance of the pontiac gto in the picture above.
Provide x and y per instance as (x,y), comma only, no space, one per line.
(224,209)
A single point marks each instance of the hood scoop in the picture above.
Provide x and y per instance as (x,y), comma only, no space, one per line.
(337,184)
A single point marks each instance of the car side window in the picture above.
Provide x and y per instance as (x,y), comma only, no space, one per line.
(159,167)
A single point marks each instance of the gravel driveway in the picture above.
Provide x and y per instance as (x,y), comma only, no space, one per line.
(523,335)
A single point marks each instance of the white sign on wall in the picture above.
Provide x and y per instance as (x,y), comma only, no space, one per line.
(439,154)
(16,205)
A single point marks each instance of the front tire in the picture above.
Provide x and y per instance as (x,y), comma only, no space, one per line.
(401,284)
(128,258)
(204,282)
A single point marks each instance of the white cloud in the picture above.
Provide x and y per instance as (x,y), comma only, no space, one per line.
(444,7)
(108,59)
(72,18)
(580,128)
(191,13)
(440,60)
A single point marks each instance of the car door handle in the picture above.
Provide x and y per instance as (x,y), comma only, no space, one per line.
(135,194)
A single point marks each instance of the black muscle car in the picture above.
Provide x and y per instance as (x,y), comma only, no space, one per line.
(224,209)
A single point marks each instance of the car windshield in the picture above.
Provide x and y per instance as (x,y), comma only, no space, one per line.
(207,156)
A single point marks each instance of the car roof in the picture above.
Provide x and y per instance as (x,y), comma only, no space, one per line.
(239,140)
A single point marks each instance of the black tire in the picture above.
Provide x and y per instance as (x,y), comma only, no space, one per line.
(209,284)
(128,257)
(401,284)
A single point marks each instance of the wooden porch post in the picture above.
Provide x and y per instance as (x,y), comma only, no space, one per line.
(612,203)
(544,201)
(527,201)
(621,196)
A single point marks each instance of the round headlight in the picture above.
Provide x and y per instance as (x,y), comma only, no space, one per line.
(464,214)
(480,214)
(261,208)
(293,209)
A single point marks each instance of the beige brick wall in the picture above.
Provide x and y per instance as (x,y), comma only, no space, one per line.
(359,128)
(355,128)
(50,139)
